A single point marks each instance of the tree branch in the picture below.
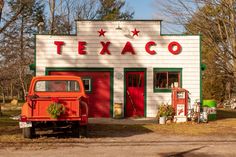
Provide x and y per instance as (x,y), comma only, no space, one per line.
(14,18)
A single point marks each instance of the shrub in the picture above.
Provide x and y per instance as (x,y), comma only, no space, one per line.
(165,110)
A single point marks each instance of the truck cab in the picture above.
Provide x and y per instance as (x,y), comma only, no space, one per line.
(52,102)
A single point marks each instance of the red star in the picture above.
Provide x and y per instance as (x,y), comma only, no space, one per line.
(101,32)
(135,32)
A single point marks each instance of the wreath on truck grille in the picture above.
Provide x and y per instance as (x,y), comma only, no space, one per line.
(56,109)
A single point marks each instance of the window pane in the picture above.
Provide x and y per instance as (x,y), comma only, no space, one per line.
(87,84)
(130,80)
(40,86)
(74,86)
(173,79)
(135,80)
(57,86)
(139,80)
(161,80)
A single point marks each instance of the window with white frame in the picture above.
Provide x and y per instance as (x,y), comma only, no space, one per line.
(87,84)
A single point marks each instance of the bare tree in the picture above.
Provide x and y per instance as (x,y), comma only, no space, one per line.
(1,7)
(16,45)
(216,21)
(87,9)
(64,13)
(52,15)
(68,19)
(12,19)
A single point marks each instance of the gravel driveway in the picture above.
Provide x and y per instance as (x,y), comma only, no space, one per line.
(149,144)
(127,142)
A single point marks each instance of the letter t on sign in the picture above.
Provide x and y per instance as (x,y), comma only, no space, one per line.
(59,44)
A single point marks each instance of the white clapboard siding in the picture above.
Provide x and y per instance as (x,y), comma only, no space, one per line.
(83,25)
(188,59)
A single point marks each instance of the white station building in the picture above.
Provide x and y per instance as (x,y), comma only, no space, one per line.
(127,62)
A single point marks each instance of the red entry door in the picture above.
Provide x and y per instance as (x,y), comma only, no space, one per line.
(134,94)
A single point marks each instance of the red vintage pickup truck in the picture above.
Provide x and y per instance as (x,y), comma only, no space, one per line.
(54,102)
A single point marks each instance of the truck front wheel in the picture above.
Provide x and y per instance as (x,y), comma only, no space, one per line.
(28,132)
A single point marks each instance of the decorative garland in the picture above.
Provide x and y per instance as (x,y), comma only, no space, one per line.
(56,109)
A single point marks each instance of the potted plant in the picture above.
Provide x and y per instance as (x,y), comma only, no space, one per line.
(165,112)
(170,113)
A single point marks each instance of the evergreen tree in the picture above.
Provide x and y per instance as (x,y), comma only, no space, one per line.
(112,10)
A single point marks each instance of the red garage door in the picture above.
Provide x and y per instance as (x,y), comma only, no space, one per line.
(99,94)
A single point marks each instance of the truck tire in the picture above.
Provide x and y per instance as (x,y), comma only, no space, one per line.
(84,131)
(28,132)
(75,130)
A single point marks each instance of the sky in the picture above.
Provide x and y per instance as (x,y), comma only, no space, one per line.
(143,8)
(147,9)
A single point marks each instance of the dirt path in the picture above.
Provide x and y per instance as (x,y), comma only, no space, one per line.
(149,144)
(138,138)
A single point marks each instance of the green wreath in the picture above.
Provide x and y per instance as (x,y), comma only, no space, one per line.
(56,110)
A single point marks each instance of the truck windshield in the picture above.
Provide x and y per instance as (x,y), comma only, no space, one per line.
(57,86)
